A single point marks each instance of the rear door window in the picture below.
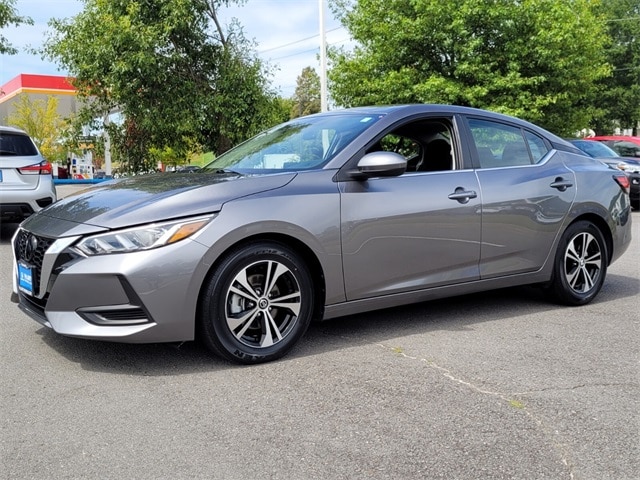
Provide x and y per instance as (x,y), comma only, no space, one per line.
(501,145)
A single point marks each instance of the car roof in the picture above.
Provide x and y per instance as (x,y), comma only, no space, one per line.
(419,108)
(425,108)
(6,129)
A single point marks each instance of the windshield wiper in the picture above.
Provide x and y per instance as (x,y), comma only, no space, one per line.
(226,170)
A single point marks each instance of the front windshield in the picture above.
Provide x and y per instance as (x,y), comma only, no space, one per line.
(595,149)
(301,144)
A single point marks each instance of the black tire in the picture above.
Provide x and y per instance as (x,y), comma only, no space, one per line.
(580,265)
(257,304)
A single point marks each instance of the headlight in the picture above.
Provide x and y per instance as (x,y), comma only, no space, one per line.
(145,237)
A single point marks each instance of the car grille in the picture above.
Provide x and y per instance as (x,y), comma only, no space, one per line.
(30,249)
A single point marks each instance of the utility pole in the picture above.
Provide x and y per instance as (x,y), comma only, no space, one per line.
(107,146)
(323,60)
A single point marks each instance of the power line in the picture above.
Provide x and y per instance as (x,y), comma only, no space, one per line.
(303,51)
(339,28)
(294,54)
(297,41)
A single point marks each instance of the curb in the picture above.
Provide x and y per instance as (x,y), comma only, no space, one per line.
(89,181)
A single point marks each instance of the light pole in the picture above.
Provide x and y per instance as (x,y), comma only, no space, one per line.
(323,60)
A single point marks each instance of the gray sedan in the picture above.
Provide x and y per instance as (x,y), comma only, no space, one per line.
(321,217)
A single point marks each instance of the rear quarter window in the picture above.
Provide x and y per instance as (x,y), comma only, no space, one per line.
(537,146)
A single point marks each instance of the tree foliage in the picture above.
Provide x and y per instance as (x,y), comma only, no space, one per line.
(174,71)
(9,16)
(618,98)
(306,99)
(48,130)
(169,157)
(282,108)
(536,59)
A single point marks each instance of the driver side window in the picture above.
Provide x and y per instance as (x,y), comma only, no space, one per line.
(402,145)
(426,145)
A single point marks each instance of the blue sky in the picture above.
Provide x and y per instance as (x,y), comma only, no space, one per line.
(286,33)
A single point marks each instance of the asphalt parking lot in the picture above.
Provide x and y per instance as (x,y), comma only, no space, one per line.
(501,385)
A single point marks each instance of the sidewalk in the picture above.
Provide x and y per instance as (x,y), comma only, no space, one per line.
(66,189)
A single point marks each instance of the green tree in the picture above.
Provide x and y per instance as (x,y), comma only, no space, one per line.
(282,108)
(9,16)
(40,119)
(618,98)
(169,66)
(306,99)
(536,59)
(170,157)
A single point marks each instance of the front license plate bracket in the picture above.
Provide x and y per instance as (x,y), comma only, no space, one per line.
(25,278)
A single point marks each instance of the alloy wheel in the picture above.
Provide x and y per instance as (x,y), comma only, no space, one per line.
(583,262)
(262,304)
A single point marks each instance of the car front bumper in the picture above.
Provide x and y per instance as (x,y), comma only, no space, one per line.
(140,297)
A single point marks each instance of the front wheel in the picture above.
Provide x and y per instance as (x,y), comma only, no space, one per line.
(580,265)
(257,304)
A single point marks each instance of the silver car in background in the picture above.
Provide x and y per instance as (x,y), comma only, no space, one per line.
(26,179)
(629,165)
(324,216)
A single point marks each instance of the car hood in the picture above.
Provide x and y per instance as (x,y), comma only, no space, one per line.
(157,197)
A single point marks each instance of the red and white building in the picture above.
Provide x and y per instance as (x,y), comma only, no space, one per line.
(42,87)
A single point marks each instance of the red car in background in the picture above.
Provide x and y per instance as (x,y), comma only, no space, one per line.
(623,145)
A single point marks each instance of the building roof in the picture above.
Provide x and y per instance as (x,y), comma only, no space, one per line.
(53,84)
(38,87)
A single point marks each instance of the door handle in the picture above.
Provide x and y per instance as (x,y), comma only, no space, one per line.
(561,184)
(462,195)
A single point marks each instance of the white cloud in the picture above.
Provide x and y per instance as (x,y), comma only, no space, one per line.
(286,34)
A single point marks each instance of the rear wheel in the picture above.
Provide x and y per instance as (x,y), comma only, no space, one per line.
(257,304)
(580,264)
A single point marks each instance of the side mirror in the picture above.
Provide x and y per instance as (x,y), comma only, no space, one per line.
(380,164)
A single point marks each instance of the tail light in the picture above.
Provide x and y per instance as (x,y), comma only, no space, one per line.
(623,181)
(42,168)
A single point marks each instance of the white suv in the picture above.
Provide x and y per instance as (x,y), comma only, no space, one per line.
(26,179)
